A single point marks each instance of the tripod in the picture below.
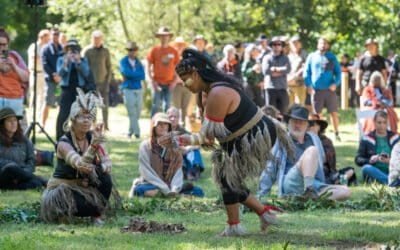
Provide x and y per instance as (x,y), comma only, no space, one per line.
(34,123)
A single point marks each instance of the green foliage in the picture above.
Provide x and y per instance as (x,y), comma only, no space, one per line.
(23,213)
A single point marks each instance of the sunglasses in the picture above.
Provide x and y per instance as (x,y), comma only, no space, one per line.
(276,44)
(130,50)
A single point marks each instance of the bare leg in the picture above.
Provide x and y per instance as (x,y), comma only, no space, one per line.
(252,203)
(45,114)
(335,121)
(338,192)
(232,211)
(308,162)
(151,193)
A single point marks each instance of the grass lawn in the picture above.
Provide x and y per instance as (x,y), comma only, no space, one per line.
(317,229)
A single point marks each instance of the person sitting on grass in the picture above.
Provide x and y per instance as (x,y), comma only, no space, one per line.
(192,160)
(161,167)
(394,167)
(304,175)
(17,158)
(332,175)
(81,184)
(375,149)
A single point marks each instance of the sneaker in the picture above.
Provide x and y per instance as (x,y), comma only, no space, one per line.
(233,231)
(310,194)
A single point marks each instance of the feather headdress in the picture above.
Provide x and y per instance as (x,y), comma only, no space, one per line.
(84,103)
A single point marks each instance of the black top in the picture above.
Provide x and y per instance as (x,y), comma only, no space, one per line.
(369,64)
(64,170)
(242,115)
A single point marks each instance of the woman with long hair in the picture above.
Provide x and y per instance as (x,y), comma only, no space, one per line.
(17,158)
(244,133)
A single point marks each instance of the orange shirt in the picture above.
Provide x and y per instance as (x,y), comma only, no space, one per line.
(164,61)
(10,85)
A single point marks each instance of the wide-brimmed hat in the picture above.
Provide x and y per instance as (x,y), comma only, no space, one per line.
(261,37)
(131,45)
(160,117)
(297,112)
(295,38)
(317,119)
(277,39)
(164,31)
(8,112)
(370,41)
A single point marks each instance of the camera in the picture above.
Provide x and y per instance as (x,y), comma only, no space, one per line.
(384,155)
(4,54)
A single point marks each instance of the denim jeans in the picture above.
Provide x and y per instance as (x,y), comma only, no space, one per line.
(133,102)
(162,97)
(372,173)
(143,188)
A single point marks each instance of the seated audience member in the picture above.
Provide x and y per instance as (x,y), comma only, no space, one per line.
(161,167)
(376,96)
(394,167)
(332,175)
(17,158)
(303,175)
(14,76)
(192,160)
(81,184)
(375,149)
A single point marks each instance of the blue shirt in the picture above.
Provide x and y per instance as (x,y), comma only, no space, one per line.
(133,75)
(322,70)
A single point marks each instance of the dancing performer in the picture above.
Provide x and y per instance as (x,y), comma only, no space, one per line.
(245,136)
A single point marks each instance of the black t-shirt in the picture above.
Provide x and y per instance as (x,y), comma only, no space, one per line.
(369,64)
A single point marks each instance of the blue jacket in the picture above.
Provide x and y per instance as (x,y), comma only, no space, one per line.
(49,59)
(321,71)
(367,146)
(275,169)
(133,76)
(82,69)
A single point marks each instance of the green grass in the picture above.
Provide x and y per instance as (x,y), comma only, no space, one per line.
(319,229)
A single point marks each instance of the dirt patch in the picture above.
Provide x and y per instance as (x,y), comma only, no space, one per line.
(140,225)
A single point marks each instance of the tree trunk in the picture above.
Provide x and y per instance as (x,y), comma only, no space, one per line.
(121,16)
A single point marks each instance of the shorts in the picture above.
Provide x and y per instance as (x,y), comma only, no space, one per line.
(293,182)
(50,90)
(17,104)
(325,98)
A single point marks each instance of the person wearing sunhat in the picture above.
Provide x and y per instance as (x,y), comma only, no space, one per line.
(332,174)
(162,60)
(133,75)
(99,59)
(74,72)
(303,175)
(276,67)
(17,158)
(371,61)
(161,167)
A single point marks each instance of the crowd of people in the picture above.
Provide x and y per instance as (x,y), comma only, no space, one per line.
(261,107)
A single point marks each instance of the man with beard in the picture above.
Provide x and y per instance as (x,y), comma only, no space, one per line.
(303,175)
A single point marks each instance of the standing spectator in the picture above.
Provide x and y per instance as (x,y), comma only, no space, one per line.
(133,74)
(377,96)
(262,43)
(230,64)
(43,39)
(347,66)
(200,43)
(74,72)
(252,75)
(322,76)
(17,158)
(370,62)
(297,58)
(99,61)
(13,76)
(375,149)
(50,54)
(162,60)
(393,71)
(276,67)
(211,52)
(181,96)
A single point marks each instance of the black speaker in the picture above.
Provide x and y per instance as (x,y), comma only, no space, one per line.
(35,2)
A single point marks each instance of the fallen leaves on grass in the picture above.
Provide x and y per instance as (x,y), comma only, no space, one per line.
(137,224)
